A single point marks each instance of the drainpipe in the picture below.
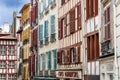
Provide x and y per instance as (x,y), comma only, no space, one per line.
(115,46)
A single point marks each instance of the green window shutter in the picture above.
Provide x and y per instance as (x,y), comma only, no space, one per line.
(49,60)
(55,59)
(45,29)
(52,21)
(43,62)
(40,32)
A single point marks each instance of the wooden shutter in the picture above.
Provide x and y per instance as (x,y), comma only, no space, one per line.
(97,45)
(59,57)
(60,30)
(72,21)
(88,48)
(95,7)
(69,56)
(91,10)
(107,24)
(108,14)
(87,9)
(29,63)
(79,16)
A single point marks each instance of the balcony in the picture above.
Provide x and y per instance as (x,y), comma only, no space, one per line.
(53,4)
(41,73)
(46,73)
(52,38)
(106,49)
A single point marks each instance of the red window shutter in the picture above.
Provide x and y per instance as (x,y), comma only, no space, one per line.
(97,45)
(72,21)
(95,7)
(105,16)
(59,30)
(88,48)
(108,29)
(59,57)
(30,64)
(91,10)
(108,14)
(79,16)
(106,33)
(87,9)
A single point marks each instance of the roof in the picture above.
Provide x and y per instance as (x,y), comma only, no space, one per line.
(6,36)
(26,5)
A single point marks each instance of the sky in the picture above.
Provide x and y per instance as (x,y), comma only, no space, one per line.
(7,7)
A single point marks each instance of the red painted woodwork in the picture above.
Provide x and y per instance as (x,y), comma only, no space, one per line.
(91,8)
(107,24)
(93,47)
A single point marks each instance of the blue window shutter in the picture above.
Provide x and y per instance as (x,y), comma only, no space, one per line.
(52,21)
(43,62)
(44,4)
(55,59)
(49,1)
(40,32)
(49,60)
(45,29)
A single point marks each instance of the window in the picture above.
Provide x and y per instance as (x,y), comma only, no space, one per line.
(11,64)
(55,59)
(73,56)
(3,50)
(91,8)
(107,23)
(11,76)
(11,50)
(2,76)
(2,64)
(72,21)
(93,47)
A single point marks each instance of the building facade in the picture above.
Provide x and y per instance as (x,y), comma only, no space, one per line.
(91,40)
(19,49)
(70,49)
(117,37)
(8,57)
(34,39)
(47,39)
(107,55)
(25,23)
